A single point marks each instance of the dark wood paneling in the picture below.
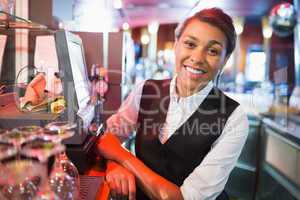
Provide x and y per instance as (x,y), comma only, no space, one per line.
(252,34)
(92,44)
(41,12)
(165,34)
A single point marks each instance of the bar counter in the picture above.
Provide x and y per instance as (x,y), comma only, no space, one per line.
(93,185)
(269,165)
(92,188)
(280,156)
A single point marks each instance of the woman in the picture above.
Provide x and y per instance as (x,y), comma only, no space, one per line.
(189,135)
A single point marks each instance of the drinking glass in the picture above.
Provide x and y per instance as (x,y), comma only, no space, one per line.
(58,131)
(61,126)
(42,149)
(55,135)
(31,129)
(18,136)
(62,184)
(21,179)
(64,178)
(7,151)
(2,131)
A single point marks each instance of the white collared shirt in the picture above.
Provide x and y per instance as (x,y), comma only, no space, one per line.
(208,179)
(180,109)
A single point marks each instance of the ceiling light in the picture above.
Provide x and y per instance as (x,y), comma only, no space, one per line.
(145,39)
(117,4)
(266,28)
(125,26)
(238,23)
(163,5)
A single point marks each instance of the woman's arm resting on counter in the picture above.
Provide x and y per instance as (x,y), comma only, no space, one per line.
(154,185)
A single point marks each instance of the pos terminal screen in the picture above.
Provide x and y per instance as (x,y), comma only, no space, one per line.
(81,83)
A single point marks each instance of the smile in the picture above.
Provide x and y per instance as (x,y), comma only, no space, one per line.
(194,71)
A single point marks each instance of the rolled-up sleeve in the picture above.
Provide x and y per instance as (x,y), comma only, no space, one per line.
(208,179)
(123,122)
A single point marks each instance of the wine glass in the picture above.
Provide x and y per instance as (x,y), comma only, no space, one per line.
(42,149)
(61,126)
(2,131)
(61,184)
(31,129)
(55,135)
(58,131)
(7,151)
(21,179)
(18,136)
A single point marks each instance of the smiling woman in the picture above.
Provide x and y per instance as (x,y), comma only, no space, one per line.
(200,55)
(203,46)
(189,134)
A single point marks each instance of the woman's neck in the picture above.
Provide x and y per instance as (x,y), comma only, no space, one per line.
(184,90)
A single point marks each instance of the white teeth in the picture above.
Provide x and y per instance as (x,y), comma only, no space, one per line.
(195,71)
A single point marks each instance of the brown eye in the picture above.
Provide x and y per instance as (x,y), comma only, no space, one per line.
(213,52)
(189,44)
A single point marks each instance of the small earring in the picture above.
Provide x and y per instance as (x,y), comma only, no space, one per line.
(217,78)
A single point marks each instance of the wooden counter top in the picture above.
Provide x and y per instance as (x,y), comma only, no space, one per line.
(103,190)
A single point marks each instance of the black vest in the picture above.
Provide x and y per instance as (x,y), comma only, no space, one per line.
(190,143)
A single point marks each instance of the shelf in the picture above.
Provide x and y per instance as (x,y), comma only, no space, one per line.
(244,166)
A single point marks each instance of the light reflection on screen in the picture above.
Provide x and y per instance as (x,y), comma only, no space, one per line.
(3,39)
(79,74)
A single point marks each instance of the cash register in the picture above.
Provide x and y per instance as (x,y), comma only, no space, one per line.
(76,91)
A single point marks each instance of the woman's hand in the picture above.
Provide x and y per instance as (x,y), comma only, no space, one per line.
(121,181)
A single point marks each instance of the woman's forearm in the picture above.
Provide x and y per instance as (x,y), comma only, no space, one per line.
(154,185)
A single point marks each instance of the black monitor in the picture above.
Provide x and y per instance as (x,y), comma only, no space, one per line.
(73,72)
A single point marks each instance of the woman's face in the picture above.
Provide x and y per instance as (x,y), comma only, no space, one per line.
(200,54)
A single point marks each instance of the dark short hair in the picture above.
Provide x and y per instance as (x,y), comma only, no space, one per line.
(215,17)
